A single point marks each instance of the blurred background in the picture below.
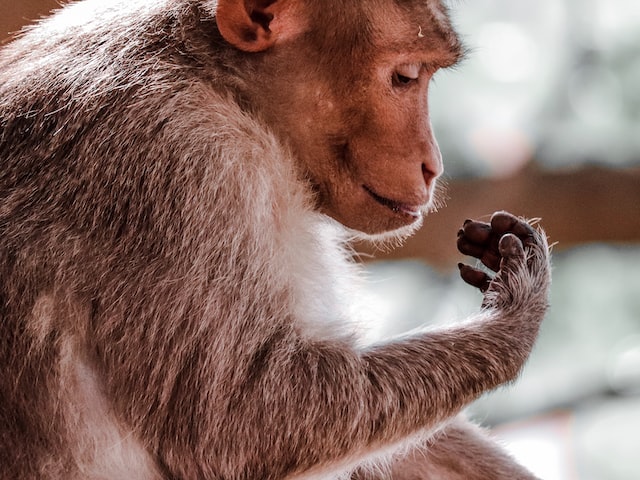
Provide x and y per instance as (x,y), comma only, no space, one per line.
(543,120)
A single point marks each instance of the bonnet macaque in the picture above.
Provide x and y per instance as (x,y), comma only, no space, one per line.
(179,181)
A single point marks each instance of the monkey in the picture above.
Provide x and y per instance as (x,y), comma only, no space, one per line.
(180,185)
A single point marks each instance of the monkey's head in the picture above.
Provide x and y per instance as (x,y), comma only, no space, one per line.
(345,85)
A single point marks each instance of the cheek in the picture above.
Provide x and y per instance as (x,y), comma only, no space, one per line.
(320,133)
(316,103)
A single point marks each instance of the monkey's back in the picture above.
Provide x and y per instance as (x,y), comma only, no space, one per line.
(133,210)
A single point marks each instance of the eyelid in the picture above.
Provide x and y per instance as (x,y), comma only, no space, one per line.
(409,70)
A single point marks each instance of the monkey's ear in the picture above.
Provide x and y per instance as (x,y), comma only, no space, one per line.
(254,26)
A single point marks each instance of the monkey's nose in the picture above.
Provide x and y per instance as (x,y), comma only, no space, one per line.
(429,174)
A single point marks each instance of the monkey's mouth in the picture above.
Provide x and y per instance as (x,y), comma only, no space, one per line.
(396,207)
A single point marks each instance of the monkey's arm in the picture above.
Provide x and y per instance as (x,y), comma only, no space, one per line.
(460,363)
(281,404)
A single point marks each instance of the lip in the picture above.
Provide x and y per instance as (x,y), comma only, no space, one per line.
(395,206)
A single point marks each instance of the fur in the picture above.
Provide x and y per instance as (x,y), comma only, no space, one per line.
(173,301)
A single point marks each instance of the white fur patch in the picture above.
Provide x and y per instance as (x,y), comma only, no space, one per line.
(105,449)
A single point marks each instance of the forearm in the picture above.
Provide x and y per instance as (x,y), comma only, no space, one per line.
(449,369)
(303,404)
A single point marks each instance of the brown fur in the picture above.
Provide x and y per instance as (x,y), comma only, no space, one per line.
(176,297)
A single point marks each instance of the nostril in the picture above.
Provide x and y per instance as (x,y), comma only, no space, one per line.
(428,174)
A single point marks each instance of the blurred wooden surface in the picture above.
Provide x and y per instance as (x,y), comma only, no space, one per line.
(589,204)
(16,13)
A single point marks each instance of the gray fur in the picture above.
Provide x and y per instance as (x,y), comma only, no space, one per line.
(173,304)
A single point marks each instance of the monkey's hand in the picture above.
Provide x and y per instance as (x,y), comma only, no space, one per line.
(506,245)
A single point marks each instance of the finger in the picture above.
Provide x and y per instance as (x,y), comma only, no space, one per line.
(504,222)
(474,277)
(491,259)
(477,232)
(523,229)
(474,237)
(511,248)
(468,248)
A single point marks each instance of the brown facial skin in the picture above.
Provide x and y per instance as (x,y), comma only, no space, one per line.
(358,119)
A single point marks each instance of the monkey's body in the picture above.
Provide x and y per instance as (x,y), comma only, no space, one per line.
(173,301)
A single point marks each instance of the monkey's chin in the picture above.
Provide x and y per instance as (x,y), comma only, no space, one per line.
(390,238)
(383,232)
(376,219)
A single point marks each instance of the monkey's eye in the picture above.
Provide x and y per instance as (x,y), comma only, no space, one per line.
(405,75)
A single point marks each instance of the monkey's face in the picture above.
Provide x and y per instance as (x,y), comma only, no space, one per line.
(367,147)
(361,127)
(349,95)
